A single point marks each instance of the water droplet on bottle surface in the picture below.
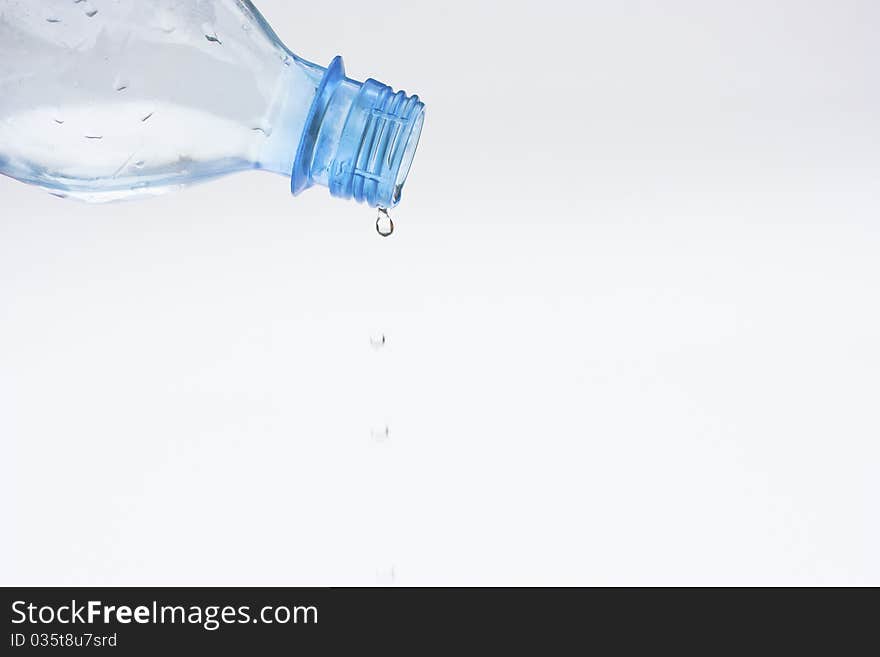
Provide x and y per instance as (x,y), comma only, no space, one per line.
(384,223)
(120,83)
(382,434)
(378,341)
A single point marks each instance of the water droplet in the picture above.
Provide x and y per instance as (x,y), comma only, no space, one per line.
(387,577)
(213,38)
(378,341)
(92,13)
(59,122)
(139,164)
(93,136)
(53,20)
(382,434)
(147,117)
(384,223)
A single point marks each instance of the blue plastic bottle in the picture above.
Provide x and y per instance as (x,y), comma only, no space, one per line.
(110,100)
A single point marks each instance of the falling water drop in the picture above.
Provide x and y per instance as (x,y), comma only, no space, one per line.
(387,576)
(384,223)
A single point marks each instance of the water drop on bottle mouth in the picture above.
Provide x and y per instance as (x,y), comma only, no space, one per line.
(384,223)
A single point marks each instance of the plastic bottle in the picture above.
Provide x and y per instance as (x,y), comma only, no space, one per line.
(109,100)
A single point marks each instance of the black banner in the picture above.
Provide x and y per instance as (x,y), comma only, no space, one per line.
(327,621)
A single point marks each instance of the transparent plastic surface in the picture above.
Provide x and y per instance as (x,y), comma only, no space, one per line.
(103,100)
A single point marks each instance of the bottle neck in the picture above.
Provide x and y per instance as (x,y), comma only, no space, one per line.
(359,140)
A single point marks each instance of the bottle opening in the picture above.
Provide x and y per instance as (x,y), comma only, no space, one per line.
(409,154)
(360,141)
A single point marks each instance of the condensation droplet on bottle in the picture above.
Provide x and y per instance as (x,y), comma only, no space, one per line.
(378,341)
(384,223)
(382,434)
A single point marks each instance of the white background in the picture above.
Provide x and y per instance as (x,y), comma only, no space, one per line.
(631,314)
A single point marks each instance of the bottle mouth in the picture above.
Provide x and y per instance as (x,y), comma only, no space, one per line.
(360,140)
(377,146)
(409,154)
